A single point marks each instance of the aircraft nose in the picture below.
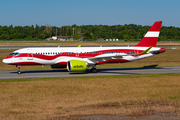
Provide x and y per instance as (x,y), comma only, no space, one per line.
(5,61)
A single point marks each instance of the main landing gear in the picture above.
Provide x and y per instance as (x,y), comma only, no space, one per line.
(19,69)
(94,70)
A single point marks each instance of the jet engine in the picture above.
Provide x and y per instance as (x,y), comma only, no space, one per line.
(76,66)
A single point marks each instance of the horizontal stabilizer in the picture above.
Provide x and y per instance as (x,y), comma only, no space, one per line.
(161,50)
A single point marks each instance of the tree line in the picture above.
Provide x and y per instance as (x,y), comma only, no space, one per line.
(86,32)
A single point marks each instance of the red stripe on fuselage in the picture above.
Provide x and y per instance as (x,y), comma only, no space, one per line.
(62,63)
(79,55)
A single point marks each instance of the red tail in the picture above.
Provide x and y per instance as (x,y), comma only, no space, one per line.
(151,37)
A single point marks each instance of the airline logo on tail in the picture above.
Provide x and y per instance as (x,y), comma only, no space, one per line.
(151,37)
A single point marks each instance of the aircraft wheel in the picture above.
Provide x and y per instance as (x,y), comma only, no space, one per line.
(94,70)
(18,72)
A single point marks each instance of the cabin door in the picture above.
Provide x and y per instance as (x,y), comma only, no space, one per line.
(77,53)
(30,54)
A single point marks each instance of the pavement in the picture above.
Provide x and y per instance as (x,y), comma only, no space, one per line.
(31,74)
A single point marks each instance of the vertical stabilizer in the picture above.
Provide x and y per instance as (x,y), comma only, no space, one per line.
(151,37)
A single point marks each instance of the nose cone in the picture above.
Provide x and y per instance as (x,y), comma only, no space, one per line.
(6,61)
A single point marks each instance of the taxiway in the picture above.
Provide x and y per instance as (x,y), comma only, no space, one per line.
(32,74)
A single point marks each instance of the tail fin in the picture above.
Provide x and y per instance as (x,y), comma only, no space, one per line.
(151,37)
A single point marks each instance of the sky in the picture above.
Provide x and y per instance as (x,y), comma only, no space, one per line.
(89,12)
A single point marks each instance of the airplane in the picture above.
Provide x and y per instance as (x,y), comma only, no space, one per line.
(79,59)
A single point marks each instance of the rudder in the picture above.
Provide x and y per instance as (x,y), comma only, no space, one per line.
(151,37)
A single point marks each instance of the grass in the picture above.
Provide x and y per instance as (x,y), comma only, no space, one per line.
(169,58)
(50,98)
(76,43)
(58,98)
(61,43)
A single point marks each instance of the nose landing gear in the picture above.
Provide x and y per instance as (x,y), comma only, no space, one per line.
(19,69)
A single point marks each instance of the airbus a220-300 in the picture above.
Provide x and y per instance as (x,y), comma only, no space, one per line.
(78,59)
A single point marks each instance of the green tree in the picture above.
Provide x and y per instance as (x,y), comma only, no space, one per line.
(17,36)
(76,37)
(41,36)
(5,37)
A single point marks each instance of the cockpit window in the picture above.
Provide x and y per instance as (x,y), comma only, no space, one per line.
(11,54)
(16,54)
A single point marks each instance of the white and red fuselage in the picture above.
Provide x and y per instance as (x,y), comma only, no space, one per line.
(61,55)
(91,55)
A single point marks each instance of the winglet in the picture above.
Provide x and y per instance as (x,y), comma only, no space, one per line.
(145,51)
(79,45)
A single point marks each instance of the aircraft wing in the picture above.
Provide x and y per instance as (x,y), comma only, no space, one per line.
(115,56)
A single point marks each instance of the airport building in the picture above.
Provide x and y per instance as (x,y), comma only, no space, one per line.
(60,38)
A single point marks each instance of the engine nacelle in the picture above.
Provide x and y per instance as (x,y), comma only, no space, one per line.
(76,66)
(57,66)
